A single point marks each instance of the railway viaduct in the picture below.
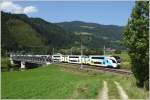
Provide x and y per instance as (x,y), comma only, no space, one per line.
(35,59)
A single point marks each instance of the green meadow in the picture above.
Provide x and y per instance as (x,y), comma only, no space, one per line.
(57,82)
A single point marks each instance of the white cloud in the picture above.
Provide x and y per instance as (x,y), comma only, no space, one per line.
(30,9)
(8,6)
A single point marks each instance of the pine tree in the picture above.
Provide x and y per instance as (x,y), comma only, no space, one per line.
(136,38)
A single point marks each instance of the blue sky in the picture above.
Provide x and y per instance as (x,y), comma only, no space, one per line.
(102,12)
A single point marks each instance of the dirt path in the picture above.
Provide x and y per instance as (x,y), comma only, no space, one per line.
(103,94)
(123,95)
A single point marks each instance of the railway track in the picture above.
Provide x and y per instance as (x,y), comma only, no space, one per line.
(119,71)
(102,69)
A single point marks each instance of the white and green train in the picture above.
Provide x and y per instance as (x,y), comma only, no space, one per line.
(97,60)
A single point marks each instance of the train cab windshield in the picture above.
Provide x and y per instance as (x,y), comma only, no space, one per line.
(113,61)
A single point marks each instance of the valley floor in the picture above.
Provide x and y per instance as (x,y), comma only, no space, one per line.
(55,81)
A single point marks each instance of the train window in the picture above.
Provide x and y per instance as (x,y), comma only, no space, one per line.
(97,62)
(56,56)
(97,57)
(113,61)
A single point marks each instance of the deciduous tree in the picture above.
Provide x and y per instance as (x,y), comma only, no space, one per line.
(136,38)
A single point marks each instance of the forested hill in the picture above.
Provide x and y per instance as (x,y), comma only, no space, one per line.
(22,33)
(97,34)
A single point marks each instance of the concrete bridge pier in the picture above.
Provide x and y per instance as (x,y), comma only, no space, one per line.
(22,65)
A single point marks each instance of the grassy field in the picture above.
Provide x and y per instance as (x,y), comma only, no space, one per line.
(57,82)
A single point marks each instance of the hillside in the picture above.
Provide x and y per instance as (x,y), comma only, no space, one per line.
(54,35)
(17,34)
(95,35)
(21,33)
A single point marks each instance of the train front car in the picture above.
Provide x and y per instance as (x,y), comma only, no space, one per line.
(118,59)
(103,61)
(111,62)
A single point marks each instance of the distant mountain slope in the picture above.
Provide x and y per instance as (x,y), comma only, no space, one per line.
(54,35)
(99,35)
(17,35)
(19,32)
(111,31)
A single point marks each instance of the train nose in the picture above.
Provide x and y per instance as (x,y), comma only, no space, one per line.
(116,66)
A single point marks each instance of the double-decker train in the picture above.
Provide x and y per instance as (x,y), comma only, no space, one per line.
(96,60)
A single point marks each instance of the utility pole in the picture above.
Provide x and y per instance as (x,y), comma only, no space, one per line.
(104,49)
(81,51)
(53,51)
(53,54)
(71,50)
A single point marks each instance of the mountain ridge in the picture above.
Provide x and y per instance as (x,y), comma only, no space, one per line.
(111,33)
(88,22)
(38,32)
